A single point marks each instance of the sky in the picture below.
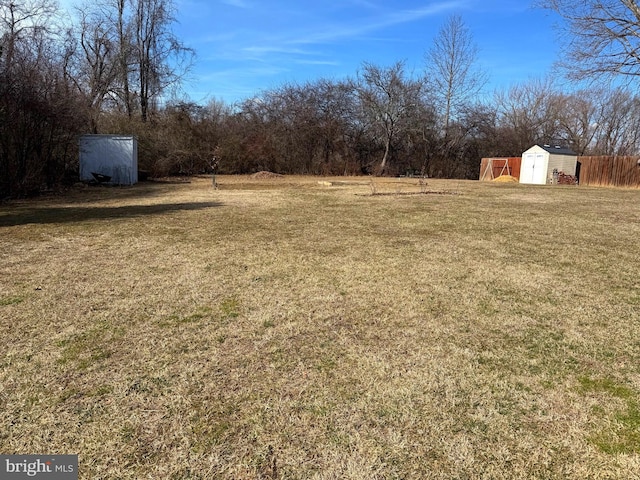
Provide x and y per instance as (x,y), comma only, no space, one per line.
(244,47)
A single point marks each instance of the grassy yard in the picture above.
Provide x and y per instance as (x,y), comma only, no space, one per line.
(282,328)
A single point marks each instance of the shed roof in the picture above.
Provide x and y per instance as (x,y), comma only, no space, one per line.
(558,150)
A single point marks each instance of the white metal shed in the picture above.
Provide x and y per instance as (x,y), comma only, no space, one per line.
(109,158)
(539,162)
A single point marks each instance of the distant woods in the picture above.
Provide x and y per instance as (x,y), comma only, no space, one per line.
(117,68)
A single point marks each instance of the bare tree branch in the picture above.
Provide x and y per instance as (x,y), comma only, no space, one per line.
(604,37)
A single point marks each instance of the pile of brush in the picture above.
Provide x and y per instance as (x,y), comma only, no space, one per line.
(564,179)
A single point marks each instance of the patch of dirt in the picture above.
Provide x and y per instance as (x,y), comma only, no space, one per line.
(171,180)
(266,175)
(395,194)
(345,183)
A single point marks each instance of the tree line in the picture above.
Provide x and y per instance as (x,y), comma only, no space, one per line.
(112,69)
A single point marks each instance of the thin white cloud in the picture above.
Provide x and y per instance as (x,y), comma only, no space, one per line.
(364,3)
(324,33)
(331,63)
(340,32)
(277,49)
(233,74)
(237,3)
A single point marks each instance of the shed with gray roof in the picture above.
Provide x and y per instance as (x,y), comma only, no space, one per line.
(540,162)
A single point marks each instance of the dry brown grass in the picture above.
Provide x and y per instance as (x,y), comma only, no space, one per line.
(286,329)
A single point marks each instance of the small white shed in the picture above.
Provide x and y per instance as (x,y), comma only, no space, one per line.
(109,158)
(539,162)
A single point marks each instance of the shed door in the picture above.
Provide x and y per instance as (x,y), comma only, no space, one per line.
(540,169)
(534,169)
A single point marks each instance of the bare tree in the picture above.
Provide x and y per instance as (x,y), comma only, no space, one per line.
(388,99)
(98,68)
(452,74)
(529,114)
(619,124)
(125,53)
(600,121)
(580,119)
(18,21)
(604,37)
(161,58)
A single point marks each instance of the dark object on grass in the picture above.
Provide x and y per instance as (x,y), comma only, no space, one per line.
(100,178)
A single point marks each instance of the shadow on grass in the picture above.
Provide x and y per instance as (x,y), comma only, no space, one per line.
(43,215)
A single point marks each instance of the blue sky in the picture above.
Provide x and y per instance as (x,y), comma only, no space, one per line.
(245,46)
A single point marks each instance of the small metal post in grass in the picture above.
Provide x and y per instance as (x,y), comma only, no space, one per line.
(214,169)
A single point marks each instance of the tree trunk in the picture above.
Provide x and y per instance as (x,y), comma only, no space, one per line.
(383,165)
(124,58)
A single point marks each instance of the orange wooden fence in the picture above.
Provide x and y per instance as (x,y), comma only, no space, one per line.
(609,171)
(491,168)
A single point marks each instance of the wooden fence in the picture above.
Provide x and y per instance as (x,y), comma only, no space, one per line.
(491,168)
(609,171)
